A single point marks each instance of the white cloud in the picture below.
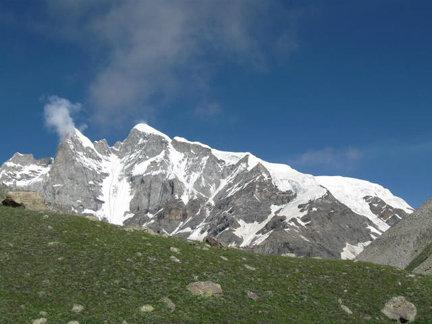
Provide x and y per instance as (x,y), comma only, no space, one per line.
(208,110)
(346,160)
(57,113)
(329,157)
(151,53)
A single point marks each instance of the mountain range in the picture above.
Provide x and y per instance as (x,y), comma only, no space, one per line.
(188,189)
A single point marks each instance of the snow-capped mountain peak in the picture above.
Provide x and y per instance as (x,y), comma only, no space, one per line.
(147,129)
(185,188)
(85,142)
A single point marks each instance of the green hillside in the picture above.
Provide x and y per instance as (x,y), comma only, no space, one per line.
(49,262)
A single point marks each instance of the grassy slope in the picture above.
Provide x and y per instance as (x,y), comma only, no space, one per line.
(99,268)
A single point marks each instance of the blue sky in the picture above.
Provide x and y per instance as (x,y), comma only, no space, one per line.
(329,87)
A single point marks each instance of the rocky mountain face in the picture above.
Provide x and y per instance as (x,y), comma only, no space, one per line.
(408,243)
(188,189)
(24,171)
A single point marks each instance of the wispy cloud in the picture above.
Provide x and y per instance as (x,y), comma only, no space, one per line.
(346,160)
(58,115)
(153,52)
(329,158)
(208,110)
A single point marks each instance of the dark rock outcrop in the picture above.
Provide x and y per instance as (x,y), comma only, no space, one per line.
(9,202)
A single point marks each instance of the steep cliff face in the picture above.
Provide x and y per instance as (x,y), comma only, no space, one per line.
(188,189)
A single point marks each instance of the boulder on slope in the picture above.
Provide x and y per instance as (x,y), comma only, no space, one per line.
(205,289)
(27,199)
(399,309)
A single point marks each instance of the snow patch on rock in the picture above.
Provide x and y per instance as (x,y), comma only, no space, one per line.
(351,192)
(116,193)
(350,251)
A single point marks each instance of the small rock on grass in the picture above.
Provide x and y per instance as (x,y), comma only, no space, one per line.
(212,241)
(147,308)
(169,303)
(344,307)
(205,289)
(174,259)
(174,249)
(224,258)
(43,313)
(73,322)
(249,267)
(252,295)
(77,308)
(41,320)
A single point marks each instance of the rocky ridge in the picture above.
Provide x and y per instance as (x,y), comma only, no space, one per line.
(406,244)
